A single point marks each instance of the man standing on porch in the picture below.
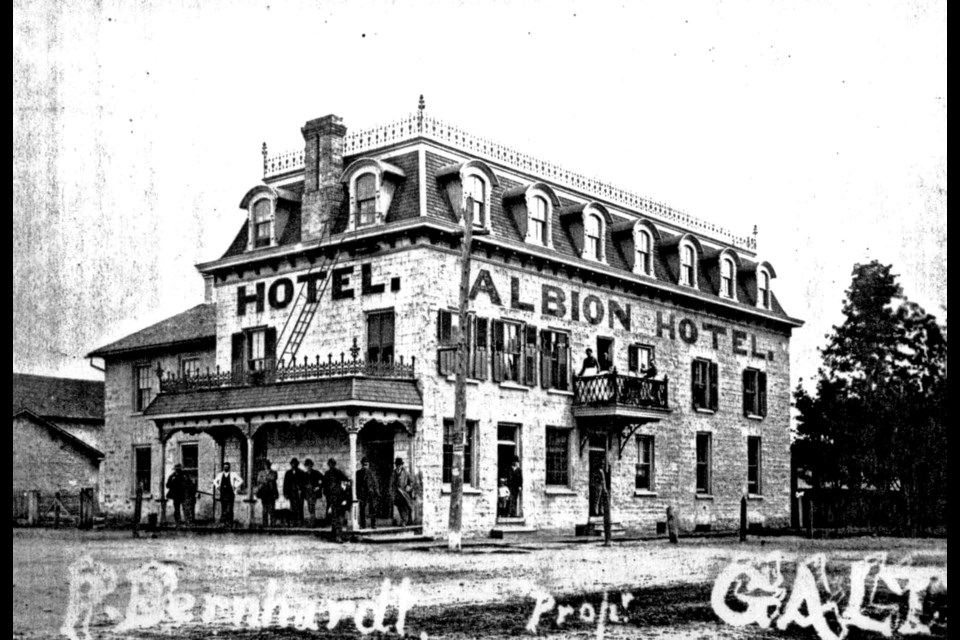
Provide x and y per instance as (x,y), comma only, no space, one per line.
(401,490)
(267,492)
(312,482)
(293,484)
(368,494)
(226,485)
(515,484)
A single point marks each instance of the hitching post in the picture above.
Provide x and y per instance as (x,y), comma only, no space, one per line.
(743,519)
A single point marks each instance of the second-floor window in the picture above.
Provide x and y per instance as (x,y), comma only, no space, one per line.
(704,387)
(257,349)
(380,328)
(143,386)
(639,358)
(754,393)
(555,359)
(262,224)
(644,254)
(448,333)
(507,351)
(726,278)
(254,350)
(591,232)
(190,367)
(538,219)
(366,199)
(477,189)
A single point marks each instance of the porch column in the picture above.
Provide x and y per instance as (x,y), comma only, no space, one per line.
(163,477)
(352,433)
(251,500)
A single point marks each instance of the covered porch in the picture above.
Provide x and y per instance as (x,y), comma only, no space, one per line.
(343,418)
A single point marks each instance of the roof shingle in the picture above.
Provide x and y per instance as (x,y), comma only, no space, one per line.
(193,324)
(53,398)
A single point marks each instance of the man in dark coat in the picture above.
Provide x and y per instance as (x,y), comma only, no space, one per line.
(179,489)
(313,479)
(368,493)
(335,488)
(515,484)
(293,485)
(267,492)
(401,492)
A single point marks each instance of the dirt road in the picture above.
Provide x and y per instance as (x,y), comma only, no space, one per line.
(225,583)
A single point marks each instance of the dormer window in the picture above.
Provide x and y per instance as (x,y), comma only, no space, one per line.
(537,230)
(366,208)
(262,223)
(371,183)
(593,245)
(644,252)
(687,265)
(726,278)
(477,189)
(763,290)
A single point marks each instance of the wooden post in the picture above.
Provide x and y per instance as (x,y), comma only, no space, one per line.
(743,519)
(352,475)
(809,518)
(56,510)
(607,501)
(163,479)
(137,509)
(251,500)
(672,526)
(454,534)
(33,507)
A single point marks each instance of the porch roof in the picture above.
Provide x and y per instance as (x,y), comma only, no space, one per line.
(353,391)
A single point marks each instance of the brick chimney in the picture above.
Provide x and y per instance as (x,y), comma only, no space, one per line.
(322,166)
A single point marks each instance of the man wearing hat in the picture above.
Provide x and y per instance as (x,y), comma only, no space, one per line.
(293,484)
(336,489)
(311,489)
(401,491)
(368,494)
(180,488)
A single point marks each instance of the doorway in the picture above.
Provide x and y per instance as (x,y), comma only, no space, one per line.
(376,440)
(508,450)
(604,353)
(597,451)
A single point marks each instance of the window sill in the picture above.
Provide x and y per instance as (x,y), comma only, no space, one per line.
(467,490)
(146,496)
(704,496)
(468,380)
(514,385)
(559,491)
(755,496)
(751,416)
(560,392)
(709,412)
(644,493)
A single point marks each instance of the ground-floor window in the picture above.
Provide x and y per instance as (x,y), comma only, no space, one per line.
(753,465)
(704,456)
(469,478)
(558,457)
(644,477)
(142,466)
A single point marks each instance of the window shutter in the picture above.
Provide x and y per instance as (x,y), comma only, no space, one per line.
(530,355)
(563,357)
(694,382)
(633,358)
(714,379)
(236,357)
(270,343)
(497,350)
(746,396)
(443,327)
(762,392)
(482,351)
(545,352)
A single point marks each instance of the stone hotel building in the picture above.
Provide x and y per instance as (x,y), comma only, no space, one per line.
(330,325)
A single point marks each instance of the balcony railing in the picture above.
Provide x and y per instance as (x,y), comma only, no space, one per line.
(611,389)
(271,372)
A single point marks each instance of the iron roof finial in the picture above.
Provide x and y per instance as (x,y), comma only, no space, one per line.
(421,105)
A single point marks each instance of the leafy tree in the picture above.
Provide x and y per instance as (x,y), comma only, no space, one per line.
(878,417)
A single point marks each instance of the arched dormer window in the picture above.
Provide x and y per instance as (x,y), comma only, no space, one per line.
(372,183)
(532,209)
(477,189)
(763,289)
(644,243)
(593,238)
(537,225)
(261,223)
(728,281)
(688,265)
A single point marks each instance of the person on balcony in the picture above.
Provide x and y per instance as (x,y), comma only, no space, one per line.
(227,485)
(312,482)
(293,489)
(590,367)
(651,371)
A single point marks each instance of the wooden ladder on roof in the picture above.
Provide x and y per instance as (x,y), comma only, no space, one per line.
(308,310)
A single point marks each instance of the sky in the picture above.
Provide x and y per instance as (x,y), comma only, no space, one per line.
(138,127)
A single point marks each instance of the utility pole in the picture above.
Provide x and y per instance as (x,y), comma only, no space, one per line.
(454,535)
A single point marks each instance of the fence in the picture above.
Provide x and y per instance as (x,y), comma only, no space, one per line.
(61,508)
(842,510)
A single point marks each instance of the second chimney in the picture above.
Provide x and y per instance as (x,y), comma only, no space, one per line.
(322,166)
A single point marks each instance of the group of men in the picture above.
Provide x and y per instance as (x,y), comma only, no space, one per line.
(301,486)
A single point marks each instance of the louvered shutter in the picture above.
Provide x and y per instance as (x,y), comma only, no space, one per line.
(747,403)
(633,358)
(714,379)
(497,350)
(530,355)
(546,348)
(762,391)
(236,355)
(695,383)
(481,348)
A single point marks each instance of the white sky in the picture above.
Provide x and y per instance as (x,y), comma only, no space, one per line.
(137,129)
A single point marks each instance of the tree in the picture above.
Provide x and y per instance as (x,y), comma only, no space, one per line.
(878,417)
